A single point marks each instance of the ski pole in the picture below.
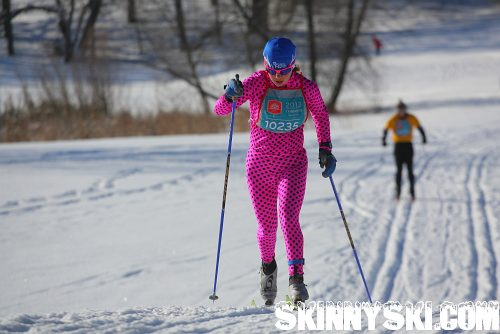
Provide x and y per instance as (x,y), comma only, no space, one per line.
(350,239)
(213,296)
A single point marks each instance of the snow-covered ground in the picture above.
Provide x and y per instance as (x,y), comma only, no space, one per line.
(128,228)
(120,235)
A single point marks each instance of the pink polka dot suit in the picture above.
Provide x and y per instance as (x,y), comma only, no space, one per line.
(276,165)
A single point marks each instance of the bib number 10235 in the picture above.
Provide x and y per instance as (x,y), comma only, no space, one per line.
(281,126)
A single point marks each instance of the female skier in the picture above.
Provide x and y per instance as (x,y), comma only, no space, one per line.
(276,164)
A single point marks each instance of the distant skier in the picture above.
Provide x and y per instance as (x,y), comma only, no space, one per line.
(402,124)
(276,165)
(377,44)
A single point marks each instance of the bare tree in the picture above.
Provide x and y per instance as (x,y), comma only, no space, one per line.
(65,22)
(7,23)
(131,11)
(309,4)
(76,34)
(259,18)
(352,30)
(7,16)
(93,7)
(182,56)
(188,50)
(283,12)
(181,28)
(217,20)
(257,27)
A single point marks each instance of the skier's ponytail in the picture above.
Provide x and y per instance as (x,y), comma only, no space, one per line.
(297,69)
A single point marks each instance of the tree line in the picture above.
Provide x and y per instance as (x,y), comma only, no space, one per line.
(189,39)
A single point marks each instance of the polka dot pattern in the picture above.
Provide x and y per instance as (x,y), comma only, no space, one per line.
(277,185)
(254,89)
(277,165)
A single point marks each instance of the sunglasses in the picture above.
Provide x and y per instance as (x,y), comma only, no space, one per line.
(283,71)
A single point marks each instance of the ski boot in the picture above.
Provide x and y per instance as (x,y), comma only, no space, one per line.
(268,282)
(297,289)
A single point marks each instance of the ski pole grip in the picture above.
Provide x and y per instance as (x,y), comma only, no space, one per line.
(237,76)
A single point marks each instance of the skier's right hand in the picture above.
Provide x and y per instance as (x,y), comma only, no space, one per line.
(234,89)
(384,135)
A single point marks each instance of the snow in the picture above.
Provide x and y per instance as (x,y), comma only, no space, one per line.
(120,235)
(145,320)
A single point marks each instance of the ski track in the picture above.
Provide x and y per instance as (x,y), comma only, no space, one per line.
(390,260)
(353,181)
(105,188)
(385,233)
(351,206)
(393,254)
(413,264)
(387,273)
(484,259)
(487,227)
(398,242)
(394,239)
(486,184)
(99,190)
(370,215)
(351,200)
(405,254)
(483,268)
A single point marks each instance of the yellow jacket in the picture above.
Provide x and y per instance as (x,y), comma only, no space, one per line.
(402,127)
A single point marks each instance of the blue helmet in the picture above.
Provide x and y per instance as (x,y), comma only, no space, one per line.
(279,53)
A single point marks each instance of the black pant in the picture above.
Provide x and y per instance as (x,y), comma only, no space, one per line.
(403,153)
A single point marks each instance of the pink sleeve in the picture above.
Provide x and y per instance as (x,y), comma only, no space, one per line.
(223,107)
(317,107)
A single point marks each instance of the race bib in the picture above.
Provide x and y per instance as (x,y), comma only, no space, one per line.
(282,110)
(403,127)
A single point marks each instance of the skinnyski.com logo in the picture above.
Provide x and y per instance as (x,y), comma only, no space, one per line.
(327,315)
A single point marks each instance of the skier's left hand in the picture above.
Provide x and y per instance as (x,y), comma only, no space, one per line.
(327,159)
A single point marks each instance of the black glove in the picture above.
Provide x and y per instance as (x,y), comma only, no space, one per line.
(326,159)
(234,89)
(422,132)
(384,135)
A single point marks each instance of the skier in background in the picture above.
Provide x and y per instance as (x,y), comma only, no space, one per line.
(276,165)
(377,44)
(402,124)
